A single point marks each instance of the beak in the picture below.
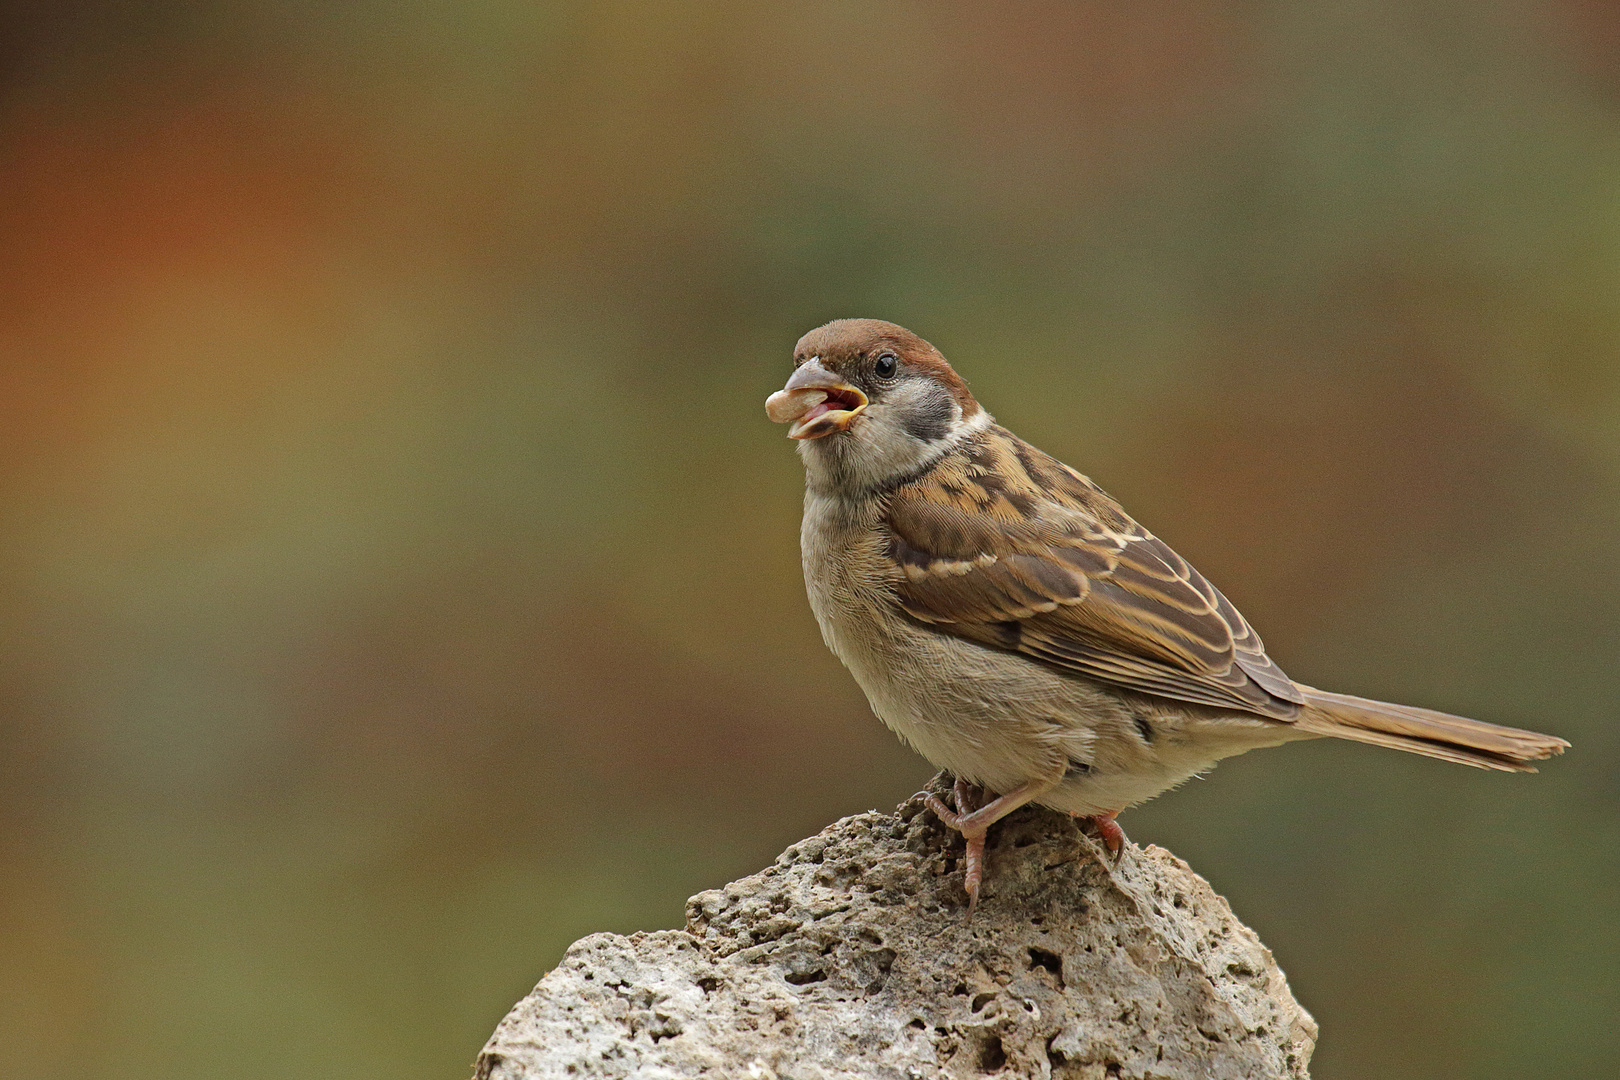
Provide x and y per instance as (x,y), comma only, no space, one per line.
(815,402)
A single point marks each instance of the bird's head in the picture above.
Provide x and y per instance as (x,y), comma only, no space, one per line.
(870,402)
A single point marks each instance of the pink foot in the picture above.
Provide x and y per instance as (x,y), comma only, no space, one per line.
(1109,832)
(973,861)
(966,796)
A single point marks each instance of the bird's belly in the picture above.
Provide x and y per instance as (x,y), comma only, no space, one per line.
(969,718)
(991,717)
(1107,791)
(1189,740)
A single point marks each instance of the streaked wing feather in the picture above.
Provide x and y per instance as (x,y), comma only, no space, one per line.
(1004,545)
(1143,675)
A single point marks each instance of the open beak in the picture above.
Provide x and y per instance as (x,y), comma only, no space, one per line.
(815,402)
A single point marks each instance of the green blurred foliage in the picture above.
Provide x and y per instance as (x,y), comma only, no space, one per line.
(399,579)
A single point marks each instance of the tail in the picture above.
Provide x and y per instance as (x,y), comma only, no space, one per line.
(1424,731)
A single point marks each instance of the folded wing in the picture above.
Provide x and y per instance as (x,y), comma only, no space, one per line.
(1004,545)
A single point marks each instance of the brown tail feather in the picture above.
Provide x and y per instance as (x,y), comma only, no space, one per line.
(1424,731)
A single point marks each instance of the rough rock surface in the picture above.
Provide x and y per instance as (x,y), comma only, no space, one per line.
(853,956)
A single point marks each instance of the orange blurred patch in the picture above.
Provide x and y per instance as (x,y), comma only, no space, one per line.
(104,211)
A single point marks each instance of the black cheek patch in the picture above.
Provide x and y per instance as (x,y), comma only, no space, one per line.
(929,418)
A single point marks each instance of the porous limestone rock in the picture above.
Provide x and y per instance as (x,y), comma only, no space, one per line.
(853,956)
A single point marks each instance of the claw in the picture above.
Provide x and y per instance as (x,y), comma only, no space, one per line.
(965,795)
(1112,836)
(973,874)
(967,799)
(974,821)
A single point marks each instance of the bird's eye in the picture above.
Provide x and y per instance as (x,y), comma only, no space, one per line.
(886,366)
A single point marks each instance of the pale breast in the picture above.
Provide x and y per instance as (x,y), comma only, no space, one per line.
(989,716)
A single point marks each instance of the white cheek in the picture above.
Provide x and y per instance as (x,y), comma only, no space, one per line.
(887,450)
(878,449)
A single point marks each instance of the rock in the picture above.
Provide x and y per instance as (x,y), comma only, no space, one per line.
(853,956)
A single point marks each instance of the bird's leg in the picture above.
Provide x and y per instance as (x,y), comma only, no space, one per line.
(980,820)
(967,800)
(1112,836)
(974,824)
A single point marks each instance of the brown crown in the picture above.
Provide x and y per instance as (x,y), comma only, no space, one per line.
(844,343)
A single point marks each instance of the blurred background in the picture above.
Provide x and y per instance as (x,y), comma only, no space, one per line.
(399,577)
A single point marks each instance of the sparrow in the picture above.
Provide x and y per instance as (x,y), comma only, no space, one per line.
(1012,624)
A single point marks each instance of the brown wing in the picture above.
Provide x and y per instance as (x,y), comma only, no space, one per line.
(1005,545)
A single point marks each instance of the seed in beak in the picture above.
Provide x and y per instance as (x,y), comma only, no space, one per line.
(785,406)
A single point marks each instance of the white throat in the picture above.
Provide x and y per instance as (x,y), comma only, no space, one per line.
(877,452)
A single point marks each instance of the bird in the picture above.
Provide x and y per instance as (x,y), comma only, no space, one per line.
(1008,619)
